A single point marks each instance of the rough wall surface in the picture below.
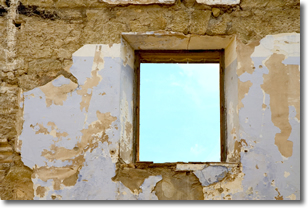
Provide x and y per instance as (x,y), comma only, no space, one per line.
(64,78)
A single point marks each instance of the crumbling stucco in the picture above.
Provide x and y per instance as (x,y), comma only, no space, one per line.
(258,118)
(280,96)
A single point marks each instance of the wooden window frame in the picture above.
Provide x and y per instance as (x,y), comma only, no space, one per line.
(179,56)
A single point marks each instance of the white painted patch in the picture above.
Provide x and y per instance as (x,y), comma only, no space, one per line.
(85,51)
(89,50)
(211,174)
(286,44)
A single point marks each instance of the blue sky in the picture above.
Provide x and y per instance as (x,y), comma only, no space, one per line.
(179,113)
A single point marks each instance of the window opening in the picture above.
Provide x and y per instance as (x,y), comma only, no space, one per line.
(179,112)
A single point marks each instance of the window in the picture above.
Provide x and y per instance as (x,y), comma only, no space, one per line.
(163,132)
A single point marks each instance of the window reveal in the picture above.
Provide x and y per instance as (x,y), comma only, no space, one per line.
(154,129)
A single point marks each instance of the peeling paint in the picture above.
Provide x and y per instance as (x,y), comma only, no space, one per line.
(276,84)
(132,178)
(267,115)
(179,186)
(292,197)
(40,191)
(211,174)
(56,92)
(243,90)
(148,186)
(244,61)
(226,189)
(87,88)
(83,135)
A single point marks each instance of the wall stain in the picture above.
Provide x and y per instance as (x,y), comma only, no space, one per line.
(36,11)
(3,11)
(279,197)
(281,83)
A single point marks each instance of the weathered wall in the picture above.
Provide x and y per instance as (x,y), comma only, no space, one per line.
(66,118)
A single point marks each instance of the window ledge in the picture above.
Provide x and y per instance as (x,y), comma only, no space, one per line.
(201,166)
(181,166)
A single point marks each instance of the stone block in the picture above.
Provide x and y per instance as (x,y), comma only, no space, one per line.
(44,65)
(199,21)
(46,38)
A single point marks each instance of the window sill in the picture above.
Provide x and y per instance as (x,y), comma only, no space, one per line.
(180,166)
